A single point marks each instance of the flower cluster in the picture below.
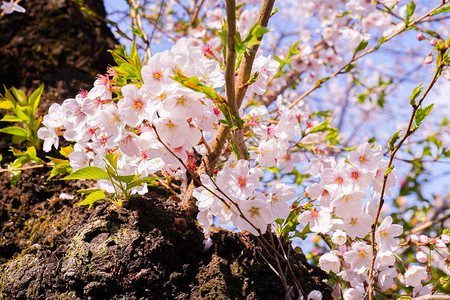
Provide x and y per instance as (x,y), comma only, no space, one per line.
(233,197)
(128,124)
(151,126)
(341,193)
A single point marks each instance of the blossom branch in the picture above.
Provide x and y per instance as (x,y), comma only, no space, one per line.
(223,131)
(230,70)
(262,240)
(394,149)
(136,17)
(373,49)
(48,165)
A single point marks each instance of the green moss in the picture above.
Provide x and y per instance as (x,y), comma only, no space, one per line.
(32,291)
(236,269)
(65,296)
(15,269)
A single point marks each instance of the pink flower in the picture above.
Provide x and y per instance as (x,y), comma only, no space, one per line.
(358,224)
(257,212)
(278,197)
(377,182)
(414,275)
(359,257)
(352,294)
(385,258)
(330,262)
(319,221)
(447,73)
(10,7)
(339,237)
(346,204)
(133,107)
(386,278)
(386,233)
(365,157)
(315,295)
(440,244)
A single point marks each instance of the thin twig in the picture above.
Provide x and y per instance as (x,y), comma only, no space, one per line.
(394,150)
(277,261)
(48,165)
(373,49)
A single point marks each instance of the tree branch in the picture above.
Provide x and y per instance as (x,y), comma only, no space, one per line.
(410,130)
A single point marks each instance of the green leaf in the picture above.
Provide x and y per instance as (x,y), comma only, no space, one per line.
(149,180)
(410,11)
(380,42)
(88,173)
(8,105)
(240,123)
(416,92)
(422,113)
(226,113)
(60,169)
(234,148)
(321,127)
(92,198)
(16,153)
(194,84)
(88,191)
(254,35)
(394,139)
(31,151)
(35,98)
(253,78)
(14,130)
(442,10)
(65,151)
(126,178)
(349,68)
(19,113)
(10,118)
(388,170)
(361,46)
(20,96)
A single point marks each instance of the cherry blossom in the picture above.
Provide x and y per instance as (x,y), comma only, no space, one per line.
(414,275)
(10,7)
(386,233)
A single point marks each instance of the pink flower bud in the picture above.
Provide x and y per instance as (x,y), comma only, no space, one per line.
(444,237)
(433,41)
(440,244)
(447,73)
(423,238)
(428,59)
(421,256)
(414,238)
(420,36)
